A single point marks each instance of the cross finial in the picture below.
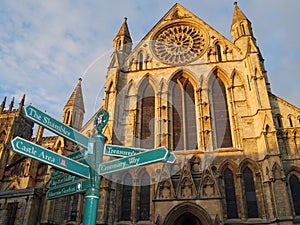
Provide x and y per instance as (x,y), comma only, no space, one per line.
(101,120)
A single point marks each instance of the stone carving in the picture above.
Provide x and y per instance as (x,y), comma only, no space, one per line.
(186,188)
(165,189)
(195,164)
(208,187)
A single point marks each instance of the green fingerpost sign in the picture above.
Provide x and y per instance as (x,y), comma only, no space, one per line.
(157,155)
(44,155)
(63,180)
(55,126)
(123,151)
(69,189)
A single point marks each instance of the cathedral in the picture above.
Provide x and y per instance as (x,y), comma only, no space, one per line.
(207,99)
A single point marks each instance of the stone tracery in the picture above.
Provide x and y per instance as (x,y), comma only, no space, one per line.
(180,44)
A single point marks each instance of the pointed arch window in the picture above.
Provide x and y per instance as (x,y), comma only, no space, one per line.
(237,31)
(279,121)
(243,29)
(219,52)
(182,124)
(68,117)
(291,121)
(126,198)
(267,129)
(145,116)
(144,209)
(250,194)
(109,101)
(119,44)
(140,60)
(230,194)
(295,187)
(219,113)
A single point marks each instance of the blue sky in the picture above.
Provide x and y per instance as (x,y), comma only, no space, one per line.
(45,46)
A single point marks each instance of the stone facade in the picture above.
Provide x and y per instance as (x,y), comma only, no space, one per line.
(206,98)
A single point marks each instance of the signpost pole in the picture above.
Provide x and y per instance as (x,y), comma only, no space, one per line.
(95,151)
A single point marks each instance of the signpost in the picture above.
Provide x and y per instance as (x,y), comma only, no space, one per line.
(141,159)
(73,175)
(55,126)
(122,151)
(62,180)
(73,188)
(44,155)
(78,156)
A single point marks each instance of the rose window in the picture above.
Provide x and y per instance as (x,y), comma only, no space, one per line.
(179,44)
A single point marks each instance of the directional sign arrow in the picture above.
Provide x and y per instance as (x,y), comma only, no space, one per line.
(44,155)
(77,155)
(172,158)
(55,126)
(69,189)
(122,151)
(141,159)
(63,180)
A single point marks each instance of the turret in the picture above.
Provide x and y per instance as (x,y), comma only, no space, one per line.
(74,109)
(241,29)
(243,38)
(122,41)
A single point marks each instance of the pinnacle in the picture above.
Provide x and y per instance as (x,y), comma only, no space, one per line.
(124,31)
(76,98)
(238,14)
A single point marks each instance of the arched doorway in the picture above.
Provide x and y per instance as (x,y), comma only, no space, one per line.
(187,219)
(187,214)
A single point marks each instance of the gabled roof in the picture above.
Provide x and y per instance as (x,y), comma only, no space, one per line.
(177,14)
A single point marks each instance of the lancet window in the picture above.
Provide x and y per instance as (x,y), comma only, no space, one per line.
(146,115)
(182,123)
(219,113)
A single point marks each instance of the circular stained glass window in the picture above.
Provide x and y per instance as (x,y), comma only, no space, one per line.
(180,44)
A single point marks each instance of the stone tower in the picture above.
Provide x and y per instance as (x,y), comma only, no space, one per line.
(67,209)
(12,124)
(73,115)
(21,178)
(208,99)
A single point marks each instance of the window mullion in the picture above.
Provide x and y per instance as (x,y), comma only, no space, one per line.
(183,119)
